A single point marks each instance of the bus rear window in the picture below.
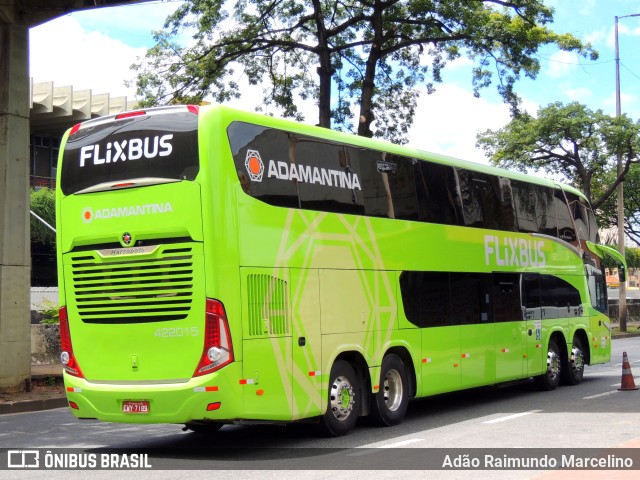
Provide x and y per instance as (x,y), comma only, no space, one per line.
(159,144)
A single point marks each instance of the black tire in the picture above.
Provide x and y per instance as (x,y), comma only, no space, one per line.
(573,367)
(551,378)
(389,405)
(204,427)
(343,402)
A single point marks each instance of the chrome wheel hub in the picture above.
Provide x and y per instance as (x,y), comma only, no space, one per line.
(392,390)
(342,398)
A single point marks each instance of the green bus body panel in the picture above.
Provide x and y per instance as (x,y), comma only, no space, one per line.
(441,360)
(300,289)
(154,212)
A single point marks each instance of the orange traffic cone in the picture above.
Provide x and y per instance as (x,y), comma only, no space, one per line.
(627,382)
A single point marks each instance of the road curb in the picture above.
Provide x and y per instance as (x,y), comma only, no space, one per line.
(32,405)
(626,335)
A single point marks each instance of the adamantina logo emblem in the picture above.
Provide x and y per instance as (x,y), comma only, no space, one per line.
(254,165)
(87,215)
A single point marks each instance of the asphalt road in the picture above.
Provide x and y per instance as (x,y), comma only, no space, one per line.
(592,414)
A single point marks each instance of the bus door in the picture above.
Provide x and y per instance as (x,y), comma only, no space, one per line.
(266,345)
(532,312)
(306,343)
(511,343)
(472,310)
(426,299)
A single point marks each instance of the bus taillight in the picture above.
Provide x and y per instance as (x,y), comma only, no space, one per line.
(67,357)
(74,129)
(134,113)
(217,351)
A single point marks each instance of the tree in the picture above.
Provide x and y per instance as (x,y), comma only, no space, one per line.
(571,143)
(43,204)
(631,204)
(43,240)
(632,256)
(372,53)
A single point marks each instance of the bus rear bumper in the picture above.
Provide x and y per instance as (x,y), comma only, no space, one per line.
(214,397)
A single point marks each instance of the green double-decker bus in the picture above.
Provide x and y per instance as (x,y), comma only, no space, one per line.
(217,266)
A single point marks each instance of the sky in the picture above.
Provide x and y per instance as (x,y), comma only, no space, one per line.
(98,46)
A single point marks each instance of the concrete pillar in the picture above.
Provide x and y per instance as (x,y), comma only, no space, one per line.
(15,256)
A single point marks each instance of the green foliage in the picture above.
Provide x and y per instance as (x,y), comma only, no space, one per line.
(43,203)
(632,256)
(631,202)
(375,55)
(571,143)
(50,312)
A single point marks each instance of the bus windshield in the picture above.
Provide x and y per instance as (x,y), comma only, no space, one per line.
(130,147)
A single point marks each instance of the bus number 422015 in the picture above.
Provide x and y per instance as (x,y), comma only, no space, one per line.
(177,332)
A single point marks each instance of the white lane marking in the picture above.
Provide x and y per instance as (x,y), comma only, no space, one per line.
(367,450)
(511,417)
(402,443)
(600,394)
(630,361)
(635,380)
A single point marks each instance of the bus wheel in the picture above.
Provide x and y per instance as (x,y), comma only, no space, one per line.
(551,378)
(573,370)
(389,405)
(344,400)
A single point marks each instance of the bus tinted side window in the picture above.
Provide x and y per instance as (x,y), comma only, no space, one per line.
(580,211)
(487,201)
(559,298)
(507,220)
(566,231)
(530,287)
(438,197)
(525,202)
(337,193)
(507,305)
(247,140)
(426,298)
(375,185)
(471,207)
(402,184)
(535,208)
(472,298)
(597,288)
(546,211)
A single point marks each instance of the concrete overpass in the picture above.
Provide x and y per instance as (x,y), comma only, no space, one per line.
(16,17)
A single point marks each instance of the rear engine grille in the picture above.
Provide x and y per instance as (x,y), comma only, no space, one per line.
(122,290)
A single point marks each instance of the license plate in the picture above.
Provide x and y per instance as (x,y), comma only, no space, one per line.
(130,406)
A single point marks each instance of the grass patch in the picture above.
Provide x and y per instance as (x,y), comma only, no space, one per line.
(633,327)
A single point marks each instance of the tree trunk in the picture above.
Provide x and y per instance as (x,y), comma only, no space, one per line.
(324,94)
(325,70)
(366,116)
